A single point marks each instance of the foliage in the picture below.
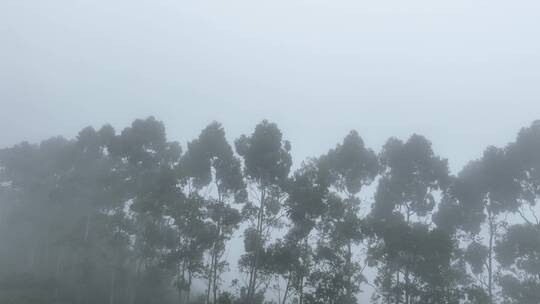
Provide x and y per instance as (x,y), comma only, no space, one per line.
(127,217)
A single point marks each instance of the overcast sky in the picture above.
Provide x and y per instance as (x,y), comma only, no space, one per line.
(464,73)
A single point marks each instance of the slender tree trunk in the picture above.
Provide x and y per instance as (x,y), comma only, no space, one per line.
(215,279)
(398,293)
(190,276)
(407,284)
(214,263)
(181,272)
(490,254)
(210,274)
(218,255)
(407,273)
(348,269)
(286,289)
(254,266)
(301,296)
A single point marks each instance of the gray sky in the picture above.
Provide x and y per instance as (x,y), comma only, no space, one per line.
(464,73)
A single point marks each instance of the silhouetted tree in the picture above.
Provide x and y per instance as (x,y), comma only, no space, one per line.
(410,252)
(338,274)
(267,162)
(125,218)
(211,161)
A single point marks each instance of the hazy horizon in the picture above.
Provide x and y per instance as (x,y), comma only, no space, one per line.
(465,74)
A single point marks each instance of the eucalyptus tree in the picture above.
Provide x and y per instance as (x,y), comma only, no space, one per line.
(148,166)
(337,276)
(479,200)
(193,239)
(94,186)
(75,198)
(290,258)
(95,177)
(35,224)
(412,179)
(171,221)
(306,203)
(267,162)
(211,163)
(518,250)
(524,159)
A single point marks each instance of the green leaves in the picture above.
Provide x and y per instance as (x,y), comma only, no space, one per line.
(266,155)
(129,217)
(476,255)
(519,252)
(520,292)
(351,165)
(411,173)
(412,177)
(267,162)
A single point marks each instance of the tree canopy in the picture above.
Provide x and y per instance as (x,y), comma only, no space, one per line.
(131,217)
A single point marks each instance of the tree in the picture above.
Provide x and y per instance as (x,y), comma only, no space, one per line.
(350,167)
(411,178)
(306,203)
(483,192)
(518,250)
(72,193)
(126,218)
(267,162)
(210,161)
(148,169)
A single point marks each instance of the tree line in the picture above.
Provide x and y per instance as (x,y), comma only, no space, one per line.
(130,218)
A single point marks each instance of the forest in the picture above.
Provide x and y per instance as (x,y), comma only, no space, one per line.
(132,217)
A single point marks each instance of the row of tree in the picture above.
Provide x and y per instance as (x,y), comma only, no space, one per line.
(128,218)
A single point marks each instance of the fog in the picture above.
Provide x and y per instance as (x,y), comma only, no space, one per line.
(464,74)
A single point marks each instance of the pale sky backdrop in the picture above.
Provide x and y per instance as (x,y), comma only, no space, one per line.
(464,73)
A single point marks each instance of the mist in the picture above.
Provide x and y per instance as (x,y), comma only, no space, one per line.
(103,107)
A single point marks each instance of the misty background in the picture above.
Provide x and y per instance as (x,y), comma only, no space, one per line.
(462,73)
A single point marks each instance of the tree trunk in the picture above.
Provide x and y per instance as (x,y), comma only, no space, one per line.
(407,284)
(301,296)
(181,272)
(407,274)
(490,255)
(210,275)
(348,269)
(286,289)
(190,276)
(215,280)
(214,263)
(254,266)
(398,295)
